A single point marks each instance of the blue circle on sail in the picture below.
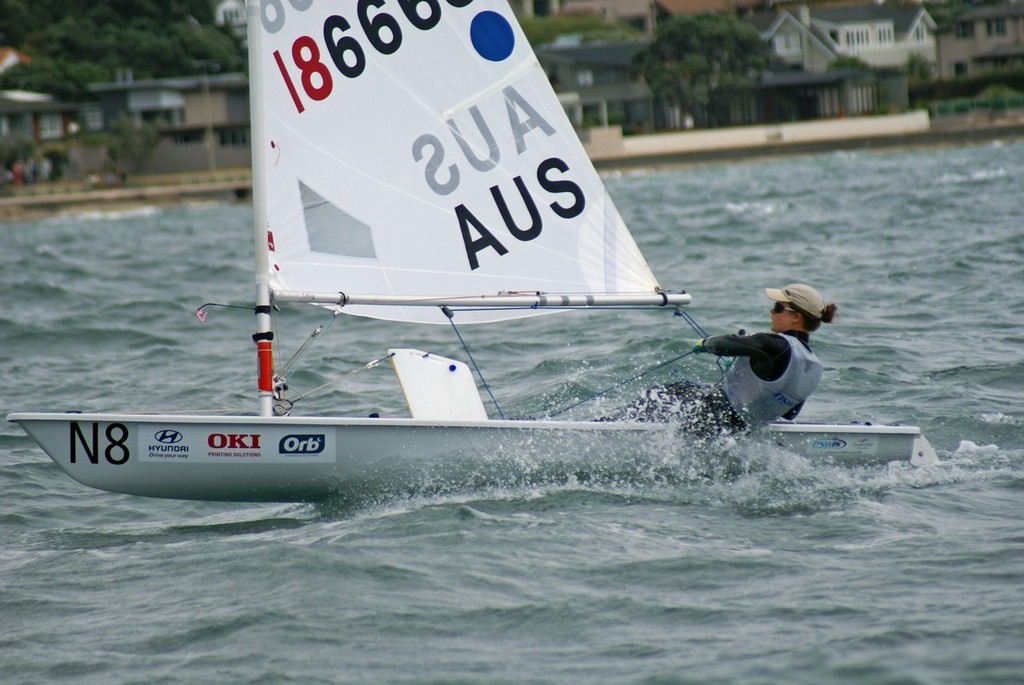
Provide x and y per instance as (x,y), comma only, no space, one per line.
(492,36)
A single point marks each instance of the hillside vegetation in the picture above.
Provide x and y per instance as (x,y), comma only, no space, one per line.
(74,43)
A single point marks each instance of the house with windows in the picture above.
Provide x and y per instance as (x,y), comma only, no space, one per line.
(882,37)
(792,42)
(35,117)
(232,14)
(982,39)
(879,35)
(598,84)
(203,120)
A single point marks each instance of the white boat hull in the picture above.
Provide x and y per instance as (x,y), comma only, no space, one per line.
(856,443)
(250,458)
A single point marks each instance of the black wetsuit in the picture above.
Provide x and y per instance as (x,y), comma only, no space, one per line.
(704,410)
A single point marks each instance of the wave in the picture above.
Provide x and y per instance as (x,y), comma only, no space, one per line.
(974,176)
(79,215)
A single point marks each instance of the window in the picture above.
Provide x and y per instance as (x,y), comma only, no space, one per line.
(188,137)
(885,35)
(787,43)
(996,27)
(857,37)
(964,29)
(93,118)
(960,69)
(584,77)
(234,138)
(50,126)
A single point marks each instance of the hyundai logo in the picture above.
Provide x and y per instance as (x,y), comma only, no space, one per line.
(168,436)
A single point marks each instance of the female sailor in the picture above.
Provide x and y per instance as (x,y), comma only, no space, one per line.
(772,376)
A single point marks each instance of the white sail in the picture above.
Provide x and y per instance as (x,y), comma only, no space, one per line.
(415,148)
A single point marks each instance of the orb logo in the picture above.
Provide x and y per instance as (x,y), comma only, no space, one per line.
(302,444)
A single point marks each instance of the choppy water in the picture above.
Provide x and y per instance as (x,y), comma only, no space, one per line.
(777,571)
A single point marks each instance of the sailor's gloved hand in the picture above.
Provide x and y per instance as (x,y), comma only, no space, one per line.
(698,347)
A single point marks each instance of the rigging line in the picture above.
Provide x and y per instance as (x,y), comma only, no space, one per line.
(679,312)
(309,342)
(368,365)
(693,323)
(723,363)
(451,319)
(621,383)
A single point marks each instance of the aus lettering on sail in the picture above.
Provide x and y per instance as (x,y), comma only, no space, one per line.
(525,203)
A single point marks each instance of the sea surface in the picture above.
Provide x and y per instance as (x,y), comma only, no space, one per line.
(768,569)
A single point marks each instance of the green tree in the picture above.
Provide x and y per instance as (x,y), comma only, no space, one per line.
(849,63)
(74,43)
(998,90)
(19,19)
(698,62)
(919,70)
(132,144)
(66,80)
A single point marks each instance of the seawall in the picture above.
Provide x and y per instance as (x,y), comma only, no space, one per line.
(609,150)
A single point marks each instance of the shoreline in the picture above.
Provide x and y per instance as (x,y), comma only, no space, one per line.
(47,200)
(235,185)
(950,135)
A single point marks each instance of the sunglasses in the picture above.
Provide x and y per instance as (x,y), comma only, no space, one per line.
(781,307)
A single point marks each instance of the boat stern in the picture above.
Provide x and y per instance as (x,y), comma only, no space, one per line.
(856,443)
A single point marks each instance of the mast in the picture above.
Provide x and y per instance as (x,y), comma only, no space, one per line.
(263,337)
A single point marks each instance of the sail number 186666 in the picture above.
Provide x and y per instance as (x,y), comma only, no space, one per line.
(380,29)
(111,444)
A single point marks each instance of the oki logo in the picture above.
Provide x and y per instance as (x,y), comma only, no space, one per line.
(234,441)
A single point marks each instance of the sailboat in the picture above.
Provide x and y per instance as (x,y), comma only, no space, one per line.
(412,163)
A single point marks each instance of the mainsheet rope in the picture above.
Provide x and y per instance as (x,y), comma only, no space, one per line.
(451,319)
(679,312)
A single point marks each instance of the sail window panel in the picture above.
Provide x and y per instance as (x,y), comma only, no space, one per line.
(331,230)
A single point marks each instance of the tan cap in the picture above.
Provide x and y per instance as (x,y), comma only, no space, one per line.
(803,296)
